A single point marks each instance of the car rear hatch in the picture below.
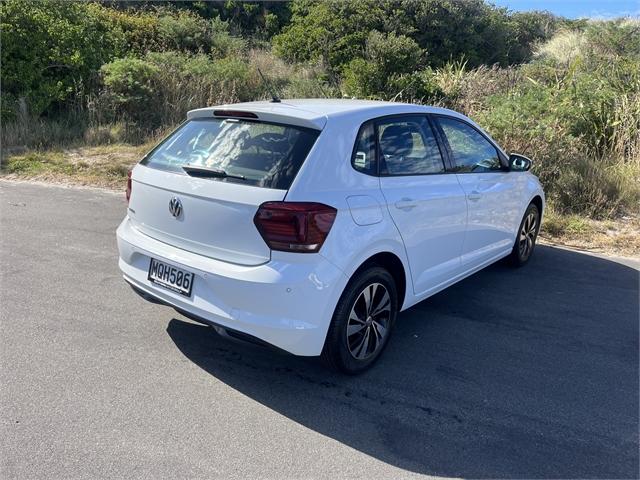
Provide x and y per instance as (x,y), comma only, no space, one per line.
(199,190)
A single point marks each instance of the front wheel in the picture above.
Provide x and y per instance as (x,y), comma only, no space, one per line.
(526,238)
(362,322)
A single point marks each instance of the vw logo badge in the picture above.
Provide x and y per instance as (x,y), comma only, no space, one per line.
(175,207)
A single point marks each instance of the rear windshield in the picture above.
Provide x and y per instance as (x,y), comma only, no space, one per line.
(266,154)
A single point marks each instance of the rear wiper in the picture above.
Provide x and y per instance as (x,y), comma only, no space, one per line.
(198,171)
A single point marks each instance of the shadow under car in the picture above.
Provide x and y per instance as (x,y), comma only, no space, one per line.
(510,373)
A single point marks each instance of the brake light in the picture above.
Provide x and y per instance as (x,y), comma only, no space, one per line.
(294,226)
(234,113)
(128,191)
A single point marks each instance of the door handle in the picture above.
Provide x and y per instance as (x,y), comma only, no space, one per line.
(406,204)
(474,196)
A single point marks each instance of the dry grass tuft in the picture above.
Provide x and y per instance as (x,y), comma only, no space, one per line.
(614,237)
(564,48)
(102,166)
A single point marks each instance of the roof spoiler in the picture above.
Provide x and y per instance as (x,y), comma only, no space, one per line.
(276,113)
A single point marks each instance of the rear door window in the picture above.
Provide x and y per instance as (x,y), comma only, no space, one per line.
(266,154)
(408,147)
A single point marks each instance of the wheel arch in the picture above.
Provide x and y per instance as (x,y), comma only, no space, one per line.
(393,264)
(537,201)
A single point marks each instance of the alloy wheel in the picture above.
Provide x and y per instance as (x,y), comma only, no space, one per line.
(528,235)
(368,323)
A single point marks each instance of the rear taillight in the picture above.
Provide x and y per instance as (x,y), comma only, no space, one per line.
(294,226)
(128,191)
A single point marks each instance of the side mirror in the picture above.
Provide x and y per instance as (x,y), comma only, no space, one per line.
(519,163)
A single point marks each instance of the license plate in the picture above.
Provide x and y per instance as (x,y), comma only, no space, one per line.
(170,277)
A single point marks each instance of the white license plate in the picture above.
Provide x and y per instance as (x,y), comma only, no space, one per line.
(170,277)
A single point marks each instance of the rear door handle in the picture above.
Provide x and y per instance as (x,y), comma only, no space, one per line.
(474,196)
(406,204)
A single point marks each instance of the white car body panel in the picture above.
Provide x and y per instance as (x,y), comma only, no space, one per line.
(439,234)
(430,212)
(493,217)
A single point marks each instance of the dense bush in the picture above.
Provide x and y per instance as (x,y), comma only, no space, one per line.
(140,29)
(386,58)
(184,31)
(335,32)
(130,84)
(576,111)
(160,87)
(51,52)
(258,20)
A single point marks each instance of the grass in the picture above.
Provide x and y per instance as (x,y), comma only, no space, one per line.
(102,166)
(620,236)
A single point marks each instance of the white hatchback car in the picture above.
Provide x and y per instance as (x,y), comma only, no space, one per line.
(309,224)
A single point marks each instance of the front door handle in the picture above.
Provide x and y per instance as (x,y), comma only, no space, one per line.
(474,196)
(406,204)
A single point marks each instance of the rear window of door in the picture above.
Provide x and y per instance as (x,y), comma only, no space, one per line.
(472,152)
(266,154)
(408,146)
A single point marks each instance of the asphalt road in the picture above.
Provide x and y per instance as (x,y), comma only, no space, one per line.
(511,373)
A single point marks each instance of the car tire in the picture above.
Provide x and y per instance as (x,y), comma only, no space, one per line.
(362,322)
(526,237)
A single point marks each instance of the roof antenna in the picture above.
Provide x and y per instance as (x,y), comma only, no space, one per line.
(272,91)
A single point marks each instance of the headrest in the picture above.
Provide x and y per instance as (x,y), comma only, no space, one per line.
(397,140)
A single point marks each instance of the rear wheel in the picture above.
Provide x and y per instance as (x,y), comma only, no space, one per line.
(526,238)
(362,322)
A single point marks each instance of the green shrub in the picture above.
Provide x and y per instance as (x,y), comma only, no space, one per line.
(619,37)
(332,32)
(359,79)
(388,59)
(416,87)
(160,88)
(252,19)
(139,27)
(185,31)
(132,84)
(393,54)
(224,44)
(335,31)
(51,51)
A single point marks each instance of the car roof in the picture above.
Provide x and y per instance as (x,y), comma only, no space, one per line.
(314,112)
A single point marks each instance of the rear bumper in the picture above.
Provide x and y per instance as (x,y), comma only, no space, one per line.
(287,302)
